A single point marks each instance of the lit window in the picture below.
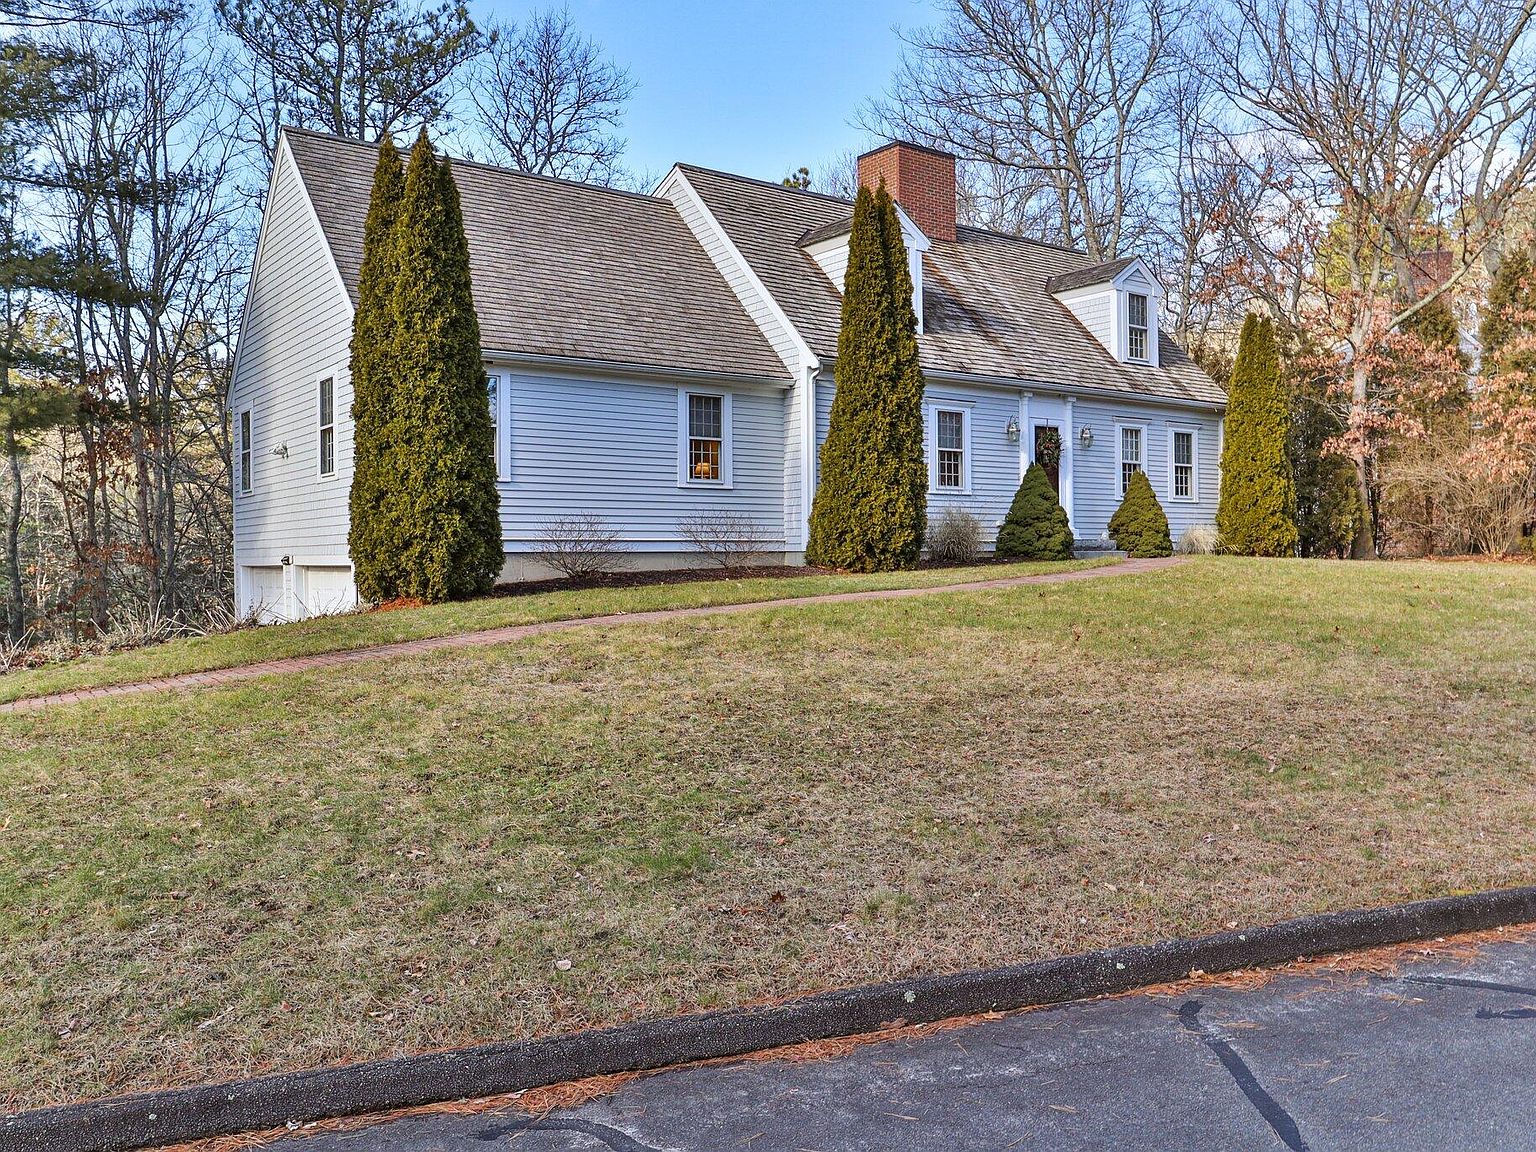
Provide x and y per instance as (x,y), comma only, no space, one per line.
(327,427)
(706,439)
(1130,456)
(949,438)
(1137,342)
(245,452)
(1183,465)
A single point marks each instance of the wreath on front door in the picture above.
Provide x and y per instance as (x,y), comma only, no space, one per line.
(1048,448)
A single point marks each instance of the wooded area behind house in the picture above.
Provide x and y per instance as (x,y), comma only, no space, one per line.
(1358,173)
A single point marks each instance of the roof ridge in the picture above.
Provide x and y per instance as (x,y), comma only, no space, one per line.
(765,183)
(498,169)
(1034,240)
(843,200)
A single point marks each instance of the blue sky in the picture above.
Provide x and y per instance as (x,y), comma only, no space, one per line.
(751,87)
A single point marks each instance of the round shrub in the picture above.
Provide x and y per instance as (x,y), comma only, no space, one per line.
(1139,528)
(1036,526)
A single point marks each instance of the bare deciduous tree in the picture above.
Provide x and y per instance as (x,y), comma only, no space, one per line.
(357,68)
(550,102)
(145,195)
(1413,125)
(1058,98)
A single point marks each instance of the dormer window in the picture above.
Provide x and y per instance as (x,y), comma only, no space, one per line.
(1136,327)
(1117,303)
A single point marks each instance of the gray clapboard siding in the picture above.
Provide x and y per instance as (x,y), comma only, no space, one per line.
(994,460)
(794,452)
(1096,469)
(610,446)
(297,328)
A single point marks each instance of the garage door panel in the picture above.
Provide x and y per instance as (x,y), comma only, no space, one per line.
(265,585)
(326,590)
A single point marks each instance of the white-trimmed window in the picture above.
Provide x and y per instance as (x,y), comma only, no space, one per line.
(493,398)
(1184,464)
(244,435)
(949,433)
(1133,446)
(704,441)
(327,417)
(1136,329)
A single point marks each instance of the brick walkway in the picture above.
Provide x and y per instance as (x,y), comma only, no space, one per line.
(485,636)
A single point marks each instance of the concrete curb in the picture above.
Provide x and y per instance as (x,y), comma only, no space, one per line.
(181,1114)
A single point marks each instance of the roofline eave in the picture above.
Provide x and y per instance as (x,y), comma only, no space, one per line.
(577,364)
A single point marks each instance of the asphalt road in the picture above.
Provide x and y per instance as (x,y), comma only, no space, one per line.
(1441,1055)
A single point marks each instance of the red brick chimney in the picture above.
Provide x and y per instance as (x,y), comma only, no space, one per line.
(922,181)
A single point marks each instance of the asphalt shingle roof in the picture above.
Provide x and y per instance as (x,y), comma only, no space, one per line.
(986,306)
(561,269)
(1086,277)
(577,271)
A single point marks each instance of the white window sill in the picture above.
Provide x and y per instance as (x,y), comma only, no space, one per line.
(717,485)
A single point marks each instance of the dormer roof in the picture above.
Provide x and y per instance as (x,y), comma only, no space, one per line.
(1106,274)
(1090,276)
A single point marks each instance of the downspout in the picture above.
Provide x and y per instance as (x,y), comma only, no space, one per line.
(808,450)
(1069,462)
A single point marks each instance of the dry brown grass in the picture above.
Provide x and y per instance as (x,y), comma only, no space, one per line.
(388,858)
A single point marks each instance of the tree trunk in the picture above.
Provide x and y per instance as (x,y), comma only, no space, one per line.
(15,600)
(1363,547)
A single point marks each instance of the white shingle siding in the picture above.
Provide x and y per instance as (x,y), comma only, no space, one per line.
(297,328)
(1095,310)
(610,446)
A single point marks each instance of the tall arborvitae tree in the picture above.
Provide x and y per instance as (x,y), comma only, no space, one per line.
(1509,319)
(371,538)
(449,533)
(1256,515)
(871,505)
(1327,505)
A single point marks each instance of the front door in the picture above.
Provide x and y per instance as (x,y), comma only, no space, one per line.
(1048,453)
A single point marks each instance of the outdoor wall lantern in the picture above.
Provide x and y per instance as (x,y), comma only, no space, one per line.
(1012,431)
(281,450)
(1086,436)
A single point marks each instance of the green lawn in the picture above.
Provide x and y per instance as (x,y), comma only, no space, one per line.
(364,629)
(392,856)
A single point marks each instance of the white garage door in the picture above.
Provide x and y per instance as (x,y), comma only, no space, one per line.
(325,590)
(265,587)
